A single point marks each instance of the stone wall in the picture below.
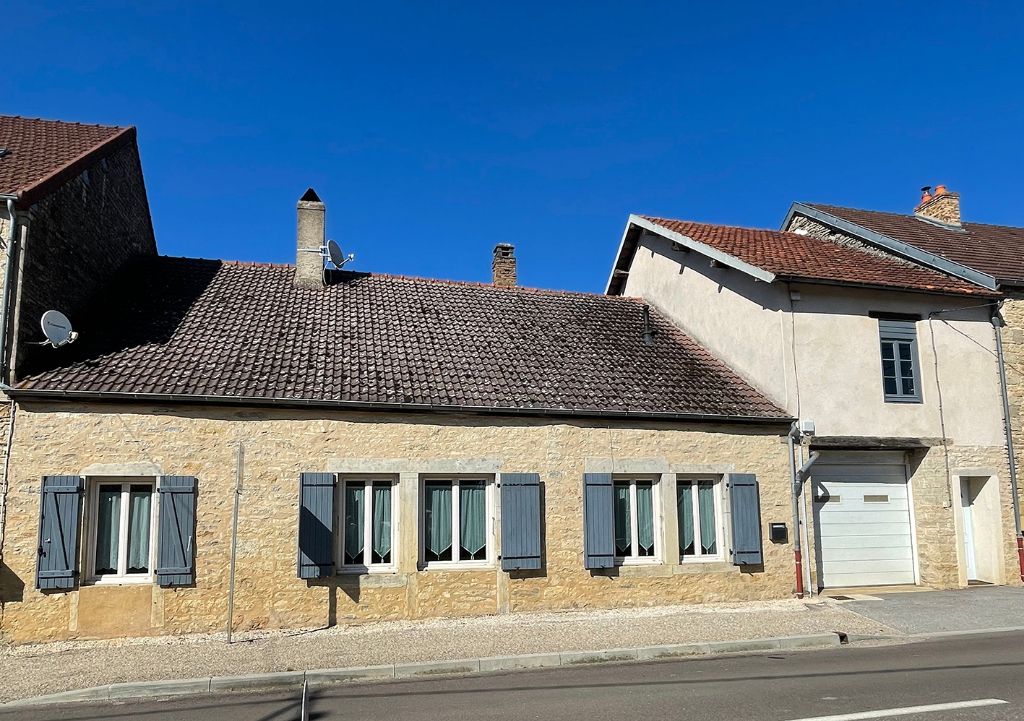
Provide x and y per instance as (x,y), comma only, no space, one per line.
(279,444)
(1013,353)
(79,235)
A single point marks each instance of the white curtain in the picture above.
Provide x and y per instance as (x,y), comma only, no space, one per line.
(438,528)
(139,499)
(108,522)
(472,520)
(645,519)
(382,522)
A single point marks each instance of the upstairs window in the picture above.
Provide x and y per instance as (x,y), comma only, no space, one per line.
(901,371)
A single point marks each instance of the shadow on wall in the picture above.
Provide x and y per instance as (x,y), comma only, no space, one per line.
(146,303)
(12,588)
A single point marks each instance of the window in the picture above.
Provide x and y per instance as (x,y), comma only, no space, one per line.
(122,542)
(901,373)
(367,524)
(455,525)
(699,506)
(636,520)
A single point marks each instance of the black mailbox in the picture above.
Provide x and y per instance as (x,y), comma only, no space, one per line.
(778,533)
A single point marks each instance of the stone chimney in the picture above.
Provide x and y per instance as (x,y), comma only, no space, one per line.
(309,236)
(942,206)
(503,267)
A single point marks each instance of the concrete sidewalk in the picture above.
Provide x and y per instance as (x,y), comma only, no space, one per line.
(925,612)
(39,669)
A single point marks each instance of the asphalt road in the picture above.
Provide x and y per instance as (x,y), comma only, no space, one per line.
(769,687)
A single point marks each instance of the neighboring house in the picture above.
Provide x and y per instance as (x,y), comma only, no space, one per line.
(409,448)
(79,204)
(890,367)
(991,256)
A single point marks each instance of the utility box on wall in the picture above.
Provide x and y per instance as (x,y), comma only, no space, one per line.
(778,533)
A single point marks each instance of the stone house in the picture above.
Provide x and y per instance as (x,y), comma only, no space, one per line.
(395,448)
(991,256)
(890,367)
(73,210)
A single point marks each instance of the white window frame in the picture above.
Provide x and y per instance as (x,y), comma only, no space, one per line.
(659,537)
(698,556)
(456,562)
(367,566)
(121,577)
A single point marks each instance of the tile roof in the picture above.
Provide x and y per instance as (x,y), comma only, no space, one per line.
(805,257)
(996,250)
(190,327)
(41,151)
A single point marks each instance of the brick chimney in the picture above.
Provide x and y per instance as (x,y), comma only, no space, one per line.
(503,267)
(309,236)
(942,206)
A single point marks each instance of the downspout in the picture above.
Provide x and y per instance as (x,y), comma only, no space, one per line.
(5,300)
(798,475)
(997,323)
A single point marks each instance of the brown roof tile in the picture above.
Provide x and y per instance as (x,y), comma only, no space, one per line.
(996,250)
(805,257)
(42,151)
(188,327)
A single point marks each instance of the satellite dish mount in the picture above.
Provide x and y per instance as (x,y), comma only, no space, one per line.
(57,329)
(331,253)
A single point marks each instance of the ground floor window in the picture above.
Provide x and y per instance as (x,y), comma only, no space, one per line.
(456,520)
(699,514)
(122,522)
(367,512)
(636,520)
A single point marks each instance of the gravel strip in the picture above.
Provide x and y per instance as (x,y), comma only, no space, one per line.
(35,669)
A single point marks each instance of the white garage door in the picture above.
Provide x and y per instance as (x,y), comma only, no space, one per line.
(862,520)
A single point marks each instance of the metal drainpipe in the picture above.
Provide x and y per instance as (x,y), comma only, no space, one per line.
(5,300)
(795,493)
(997,323)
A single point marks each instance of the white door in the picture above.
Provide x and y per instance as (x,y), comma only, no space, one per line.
(967,509)
(862,520)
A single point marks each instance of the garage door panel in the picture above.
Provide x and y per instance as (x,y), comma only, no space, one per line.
(885,578)
(828,529)
(874,566)
(863,531)
(884,553)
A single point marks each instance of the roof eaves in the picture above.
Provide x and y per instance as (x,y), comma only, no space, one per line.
(891,244)
(59,394)
(31,193)
(980,293)
(703,249)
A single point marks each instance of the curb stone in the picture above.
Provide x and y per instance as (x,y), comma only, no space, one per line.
(321,678)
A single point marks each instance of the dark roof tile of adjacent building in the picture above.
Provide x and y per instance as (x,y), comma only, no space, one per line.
(182,327)
(37,153)
(996,250)
(805,257)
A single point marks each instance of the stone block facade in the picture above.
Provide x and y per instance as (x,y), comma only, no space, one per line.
(92,439)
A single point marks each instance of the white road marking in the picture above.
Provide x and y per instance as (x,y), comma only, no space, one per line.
(906,710)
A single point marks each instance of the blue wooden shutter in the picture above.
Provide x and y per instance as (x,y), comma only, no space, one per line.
(599,521)
(316,525)
(745,503)
(176,540)
(57,562)
(520,521)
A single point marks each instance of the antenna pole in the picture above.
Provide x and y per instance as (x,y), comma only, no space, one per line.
(234,537)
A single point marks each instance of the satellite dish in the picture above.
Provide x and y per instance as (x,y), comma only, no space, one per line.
(57,328)
(334,254)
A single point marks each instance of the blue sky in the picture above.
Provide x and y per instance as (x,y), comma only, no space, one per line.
(435,130)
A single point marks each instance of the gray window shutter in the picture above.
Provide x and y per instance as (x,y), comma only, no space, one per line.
(745,503)
(57,563)
(520,521)
(316,525)
(599,520)
(176,540)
